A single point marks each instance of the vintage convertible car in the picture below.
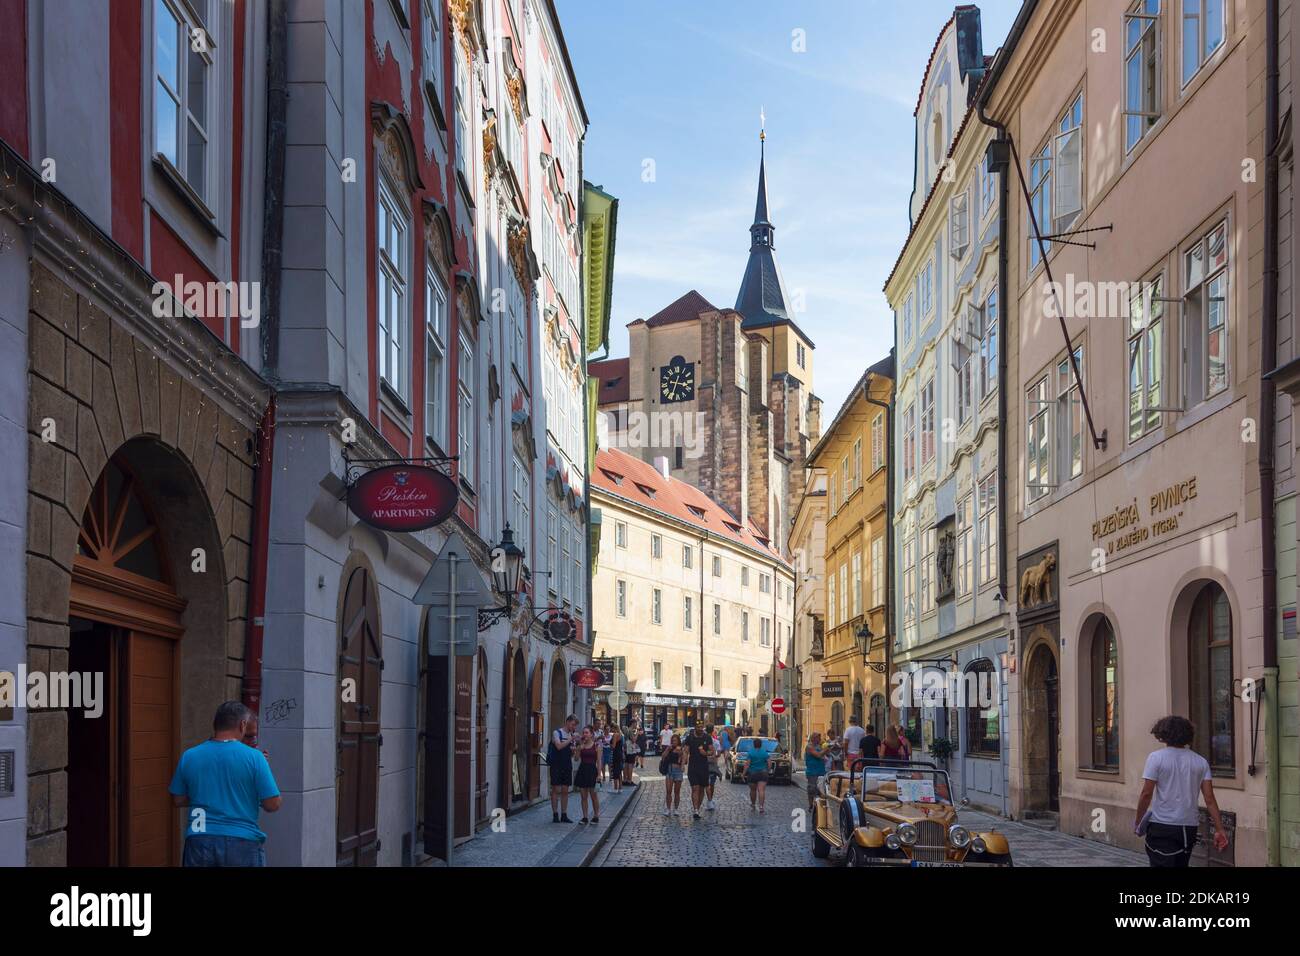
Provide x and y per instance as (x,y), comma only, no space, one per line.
(780,768)
(898,813)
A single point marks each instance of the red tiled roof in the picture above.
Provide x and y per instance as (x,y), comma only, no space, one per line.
(613,375)
(674,498)
(685,309)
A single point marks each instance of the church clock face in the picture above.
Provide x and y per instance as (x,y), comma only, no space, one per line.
(677,381)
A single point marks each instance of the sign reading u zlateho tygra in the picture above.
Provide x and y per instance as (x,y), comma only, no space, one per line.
(403,497)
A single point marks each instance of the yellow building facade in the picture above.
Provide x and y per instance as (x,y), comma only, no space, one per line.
(854,454)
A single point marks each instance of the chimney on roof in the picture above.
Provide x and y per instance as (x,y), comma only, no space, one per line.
(661,466)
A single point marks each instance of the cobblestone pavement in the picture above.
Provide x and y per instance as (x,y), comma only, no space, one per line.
(734,835)
(731,835)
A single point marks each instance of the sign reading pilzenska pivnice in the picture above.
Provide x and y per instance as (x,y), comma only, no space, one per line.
(1124,529)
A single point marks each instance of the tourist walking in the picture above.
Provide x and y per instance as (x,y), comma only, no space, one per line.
(814,765)
(617,758)
(870,746)
(715,772)
(756,775)
(853,740)
(672,766)
(893,746)
(1167,814)
(698,747)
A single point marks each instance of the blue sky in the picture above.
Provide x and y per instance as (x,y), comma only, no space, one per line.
(681,82)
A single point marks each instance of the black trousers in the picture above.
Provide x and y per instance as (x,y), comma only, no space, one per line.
(1170,846)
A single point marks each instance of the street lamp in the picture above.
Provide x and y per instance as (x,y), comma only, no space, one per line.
(507,577)
(863,638)
(507,565)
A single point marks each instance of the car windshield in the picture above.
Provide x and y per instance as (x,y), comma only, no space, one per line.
(907,786)
(750,743)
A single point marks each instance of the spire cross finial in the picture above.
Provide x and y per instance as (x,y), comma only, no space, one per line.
(762,125)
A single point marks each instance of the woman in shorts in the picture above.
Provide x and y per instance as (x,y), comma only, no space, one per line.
(756,774)
(673,763)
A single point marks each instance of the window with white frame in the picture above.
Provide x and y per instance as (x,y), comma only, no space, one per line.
(717,566)
(764,583)
(744,685)
(431,50)
(392,242)
(717,682)
(744,576)
(1204,26)
(717,619)
(620,534)
(846,485)
(620,598)
(925,570)
(688,556)
(1069,419)
(656,546)
(1142,62)
(657,674)
(844,592)
(656,606)
(965,539)
(552,551)
(927,421)
(878,441)
(800,354)
(909,582)
(579,578)
(184,92)
(988,528)
(908,318)
(566,536)
(464,147)
(521,495)
(965,382)
(857,463)
(687,684)
(959,225)
(1205,315)
(435,360)
(987,181)
(833,492)
(765,632)
(1038,439)
(467,424)
(989,346)
(744,626)
(925,290)
(856,607)
(909,441)
(831,619)
(1146,358)
(877,571)
(688,612)
(1056,179)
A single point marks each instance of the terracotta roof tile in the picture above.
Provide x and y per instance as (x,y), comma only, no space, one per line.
(613,375)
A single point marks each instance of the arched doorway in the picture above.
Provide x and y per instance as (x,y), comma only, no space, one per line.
(1041,708)
(124,623)
(857,706)
(360,663)
(559,694)
(481,741)
(514,753)
(879,714)
(837,718)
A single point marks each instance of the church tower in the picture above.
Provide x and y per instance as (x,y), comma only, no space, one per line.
(723,396)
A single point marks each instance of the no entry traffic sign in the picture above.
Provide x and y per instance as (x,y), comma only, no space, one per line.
(778,705)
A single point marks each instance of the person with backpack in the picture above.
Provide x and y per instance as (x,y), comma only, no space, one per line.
(559,758)
(673,766)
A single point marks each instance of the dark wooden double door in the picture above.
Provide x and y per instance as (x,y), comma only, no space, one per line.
(361,665)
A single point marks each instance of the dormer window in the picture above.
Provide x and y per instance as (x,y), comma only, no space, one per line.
(936,130)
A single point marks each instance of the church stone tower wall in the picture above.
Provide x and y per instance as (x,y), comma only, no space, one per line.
(724,472)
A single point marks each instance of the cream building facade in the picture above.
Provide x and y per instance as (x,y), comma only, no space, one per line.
(699,606)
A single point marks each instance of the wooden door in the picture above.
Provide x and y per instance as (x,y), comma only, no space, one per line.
(509,731)
(149,714)
(481,743)
(536,734)
(360,664)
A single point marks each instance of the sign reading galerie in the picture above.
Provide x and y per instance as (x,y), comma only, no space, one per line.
(403,497)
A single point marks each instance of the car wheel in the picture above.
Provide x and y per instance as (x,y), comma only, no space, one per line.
(856,857)
(821,849)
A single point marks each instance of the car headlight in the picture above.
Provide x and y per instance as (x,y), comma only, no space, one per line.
(978,845)
(959,836)
(891,841)
(906,834)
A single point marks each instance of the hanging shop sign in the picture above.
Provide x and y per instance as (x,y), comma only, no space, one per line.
(832,688)
(588,677)
(403,497)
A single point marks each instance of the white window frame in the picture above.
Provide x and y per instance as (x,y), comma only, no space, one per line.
(656,606)
(620,534)
(964,560)
(878,442)
(717,619)
(1207,292)
(988,528)
(1201,19)
(392,243)
(959,225)
(1146,356)
(1143,69)
(688,612)
(877,571)
(989,346)
(435,360)
(467,420)
(189,47)
(927,424)
(620,597)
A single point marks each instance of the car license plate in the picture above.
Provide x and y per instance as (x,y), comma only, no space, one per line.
(927,863)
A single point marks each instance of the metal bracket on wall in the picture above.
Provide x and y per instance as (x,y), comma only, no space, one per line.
(1257,691)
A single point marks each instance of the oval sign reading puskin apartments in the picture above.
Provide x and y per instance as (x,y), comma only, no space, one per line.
(403,497)
(587,677)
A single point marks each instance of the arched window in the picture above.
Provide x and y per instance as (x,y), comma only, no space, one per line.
(1209,673)
(1104,670)
(857,706)
(879,713)
(837,719)
(983,710)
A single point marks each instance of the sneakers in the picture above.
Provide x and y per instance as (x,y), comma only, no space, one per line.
(583,821)
(595,819)
(696,814)
(564,818)
(667,812)
(555,818)
(712,805)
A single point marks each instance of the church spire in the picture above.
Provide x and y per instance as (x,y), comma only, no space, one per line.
(762,299)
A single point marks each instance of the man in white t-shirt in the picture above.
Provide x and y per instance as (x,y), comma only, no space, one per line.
(852,739)
(666,737)
(1166,811)
(560,766)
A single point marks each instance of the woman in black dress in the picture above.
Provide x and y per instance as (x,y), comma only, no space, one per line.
(588,773)
(617,756)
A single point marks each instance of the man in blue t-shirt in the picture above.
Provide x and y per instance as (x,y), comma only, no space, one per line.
(224,782)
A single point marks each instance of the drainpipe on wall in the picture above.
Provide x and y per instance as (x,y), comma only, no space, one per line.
(255,630)
(269,332)
(1267,429)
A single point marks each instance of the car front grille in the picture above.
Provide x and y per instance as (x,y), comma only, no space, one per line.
(931,843)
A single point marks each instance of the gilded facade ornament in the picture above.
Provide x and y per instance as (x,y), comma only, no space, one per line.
(515,88)
(517,246)
(489,152)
